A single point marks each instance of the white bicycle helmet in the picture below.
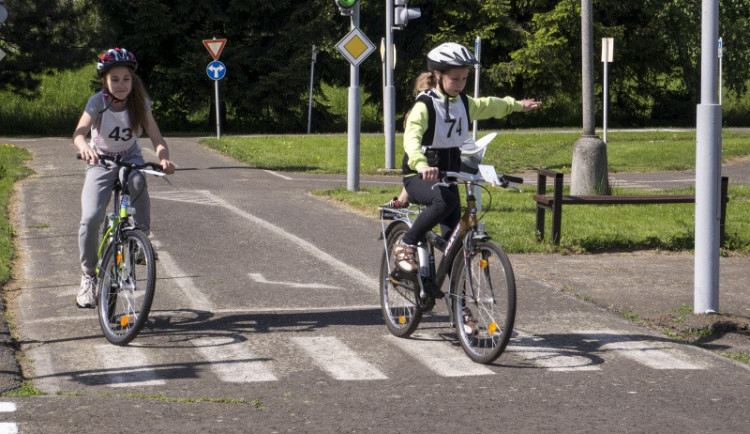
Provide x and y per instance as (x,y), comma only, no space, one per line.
(449,55)
(446,56)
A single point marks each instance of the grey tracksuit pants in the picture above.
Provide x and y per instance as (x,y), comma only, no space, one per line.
(95,197)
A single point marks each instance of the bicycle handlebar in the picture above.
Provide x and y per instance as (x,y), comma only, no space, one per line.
(447,177)
(117,161)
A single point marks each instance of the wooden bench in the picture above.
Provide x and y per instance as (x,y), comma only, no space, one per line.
(545,202)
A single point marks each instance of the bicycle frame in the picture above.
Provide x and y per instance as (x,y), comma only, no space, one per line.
(119,219)
(462,236)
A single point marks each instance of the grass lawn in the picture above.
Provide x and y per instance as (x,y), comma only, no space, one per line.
(510,217)
(12,168)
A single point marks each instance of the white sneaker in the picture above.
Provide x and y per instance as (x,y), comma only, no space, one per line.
(85,298)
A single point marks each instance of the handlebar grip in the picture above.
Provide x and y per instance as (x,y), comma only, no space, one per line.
(513,179)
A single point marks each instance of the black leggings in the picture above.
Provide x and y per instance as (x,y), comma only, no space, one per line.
(443,205)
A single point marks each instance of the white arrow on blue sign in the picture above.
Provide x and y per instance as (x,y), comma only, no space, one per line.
(216,70)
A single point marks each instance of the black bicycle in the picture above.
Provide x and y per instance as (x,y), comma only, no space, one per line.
(481,296)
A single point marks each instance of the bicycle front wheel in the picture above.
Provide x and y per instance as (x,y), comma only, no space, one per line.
(126,282)
(483,288)
(398,291)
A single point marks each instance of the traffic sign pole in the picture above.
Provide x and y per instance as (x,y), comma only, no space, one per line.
(353,127)
(218,112)
(216,71)
(608,48)
(389,91)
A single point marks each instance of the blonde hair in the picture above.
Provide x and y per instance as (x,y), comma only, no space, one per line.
(424,81)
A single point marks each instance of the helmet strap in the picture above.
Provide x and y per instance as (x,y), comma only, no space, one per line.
(108,98)
(447,97)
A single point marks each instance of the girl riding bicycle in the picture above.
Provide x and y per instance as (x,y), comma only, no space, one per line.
(436,128)
(116,116)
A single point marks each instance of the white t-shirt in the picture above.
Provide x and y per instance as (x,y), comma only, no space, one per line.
(111,130)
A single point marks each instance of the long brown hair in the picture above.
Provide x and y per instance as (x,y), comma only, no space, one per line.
(136,104)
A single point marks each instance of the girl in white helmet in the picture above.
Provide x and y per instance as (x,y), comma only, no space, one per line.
(116,116)
(436,128)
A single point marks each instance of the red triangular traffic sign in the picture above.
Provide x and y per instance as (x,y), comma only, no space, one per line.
(214,47)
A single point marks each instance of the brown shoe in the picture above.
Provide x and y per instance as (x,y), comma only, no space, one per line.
(406,257)
(395,203)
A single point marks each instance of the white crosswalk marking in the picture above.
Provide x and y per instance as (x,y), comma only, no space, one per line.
(127,366)
(654,354)
(189,196)
(337,359)
(8,428)
(539,351)
(233,362)
(441,357)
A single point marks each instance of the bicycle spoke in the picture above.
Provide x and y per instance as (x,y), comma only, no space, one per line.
(397,297)
(127,287)
(485,302)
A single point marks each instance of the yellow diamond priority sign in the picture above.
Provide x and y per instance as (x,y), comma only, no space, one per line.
(355,46)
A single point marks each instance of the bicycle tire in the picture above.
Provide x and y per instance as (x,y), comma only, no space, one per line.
(398,301)
(126,287)
(490,298)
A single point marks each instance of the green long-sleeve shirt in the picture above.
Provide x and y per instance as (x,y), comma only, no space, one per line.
(479,108)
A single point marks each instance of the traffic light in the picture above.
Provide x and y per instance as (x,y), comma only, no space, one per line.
(402,13)
(346,6)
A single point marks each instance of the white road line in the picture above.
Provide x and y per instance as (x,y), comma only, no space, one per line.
(338,360)
(654,354)
(286,178)
(197,299)
(441,357)
(188,196)
(258,277)
(7,407)
(233,362)
(358,275)
(127,366)
(8,428)
(538,351)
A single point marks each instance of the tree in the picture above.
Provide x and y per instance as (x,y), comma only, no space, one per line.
(43,35)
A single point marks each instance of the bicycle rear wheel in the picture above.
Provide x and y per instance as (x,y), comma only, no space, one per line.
(398,295)
(127,278)
(484,301)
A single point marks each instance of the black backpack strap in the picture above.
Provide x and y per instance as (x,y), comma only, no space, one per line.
(465,100)
(429,134)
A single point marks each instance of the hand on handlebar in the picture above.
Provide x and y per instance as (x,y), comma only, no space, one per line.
(89,155)
(167,166)
(430,173)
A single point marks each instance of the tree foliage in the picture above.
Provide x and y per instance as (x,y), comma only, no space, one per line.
(530,48)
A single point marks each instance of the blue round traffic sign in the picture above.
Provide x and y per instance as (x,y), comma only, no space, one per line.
(216,70)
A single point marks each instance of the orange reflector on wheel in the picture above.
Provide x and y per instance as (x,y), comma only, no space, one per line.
(124,320)
(119,258)
(492,328)
(483,263)
(402,319)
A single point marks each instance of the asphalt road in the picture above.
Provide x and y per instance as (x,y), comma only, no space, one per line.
(267,319)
